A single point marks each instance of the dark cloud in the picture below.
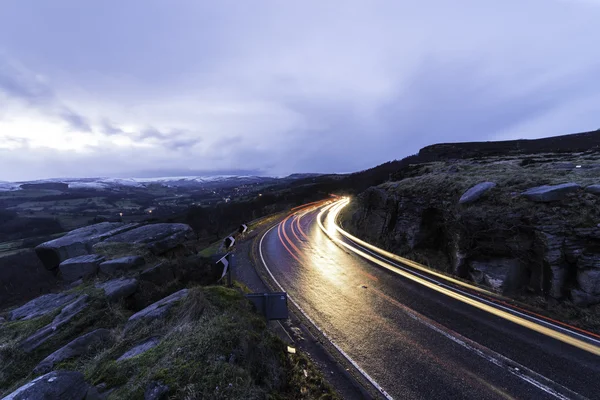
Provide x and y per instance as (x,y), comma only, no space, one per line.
(182,144)
(75,121)
(17,83)
(109,129)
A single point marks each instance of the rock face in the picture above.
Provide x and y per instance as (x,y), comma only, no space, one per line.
(140,348)
(160,308)
(80,267)
(546,194)
(502,275)
(158,274)
(593,189)
(65,316)
(156,391)
(77,242)
(42,305)
(117,289)
(75,348)
(63,385)
(158,238)
(112,267)
(475,193)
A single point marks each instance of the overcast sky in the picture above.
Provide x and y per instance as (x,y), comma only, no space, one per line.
(117,88)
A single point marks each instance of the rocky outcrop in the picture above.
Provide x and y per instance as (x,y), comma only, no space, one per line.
(80,346)
(117,289)
(158,238)
(122,264)
(160,308)
(547,194)
(63,385)
(45,333)
(475,193)
(593,189)
(80,267)
(77,242)
(42,305)
(140,348)
(158,274)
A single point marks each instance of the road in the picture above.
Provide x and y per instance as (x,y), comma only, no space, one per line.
(417,334)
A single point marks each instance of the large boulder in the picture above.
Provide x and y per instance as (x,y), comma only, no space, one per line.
(42,305)
(546,194)
(160,308)
(80,346)
(158,238)
(593,189)
(581,298)
(113,267)
(77,242)
(117,289)
(475,193)
(48,331)
(80,267)
(140,348)
(63,385)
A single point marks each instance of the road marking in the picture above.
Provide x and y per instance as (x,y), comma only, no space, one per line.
(342,352)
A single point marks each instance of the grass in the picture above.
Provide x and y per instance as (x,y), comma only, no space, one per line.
(213,346)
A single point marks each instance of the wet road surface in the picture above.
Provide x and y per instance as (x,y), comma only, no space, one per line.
(418,342)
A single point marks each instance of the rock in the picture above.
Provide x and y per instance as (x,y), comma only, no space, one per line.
(63,385)
(593,189)
(112,267)
(140,348)
(45,333)
(588,261)
(545,194)
(581,298)
(80,267)
(475,193)
(117,289)
(564,165)
(75,348)
(502,275)
(158,238)
(160,308)
(589,281)
(77,242)
(78,282)
(156,391)
(159,274)
(42,305)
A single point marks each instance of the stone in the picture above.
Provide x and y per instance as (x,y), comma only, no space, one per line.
(42,305)
(158,238)
(45,333)
(564,165)
(112,267)
(80,346)
(80,267)
(502,275)
(475,193)
(159,274)
(78,242)
(156,391)
(583,299)
(160,308)
(593,189)
(589,281)
(78,282)
(588,261)
(117,289)
(546,194)
(140,348)
(63,385)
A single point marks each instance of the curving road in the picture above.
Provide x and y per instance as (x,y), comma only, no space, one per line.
(418,334)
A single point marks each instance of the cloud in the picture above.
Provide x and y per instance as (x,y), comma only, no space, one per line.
(230,86)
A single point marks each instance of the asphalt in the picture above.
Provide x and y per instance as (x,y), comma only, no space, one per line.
(414,341)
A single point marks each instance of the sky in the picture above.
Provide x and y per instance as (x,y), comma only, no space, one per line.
(142,87)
